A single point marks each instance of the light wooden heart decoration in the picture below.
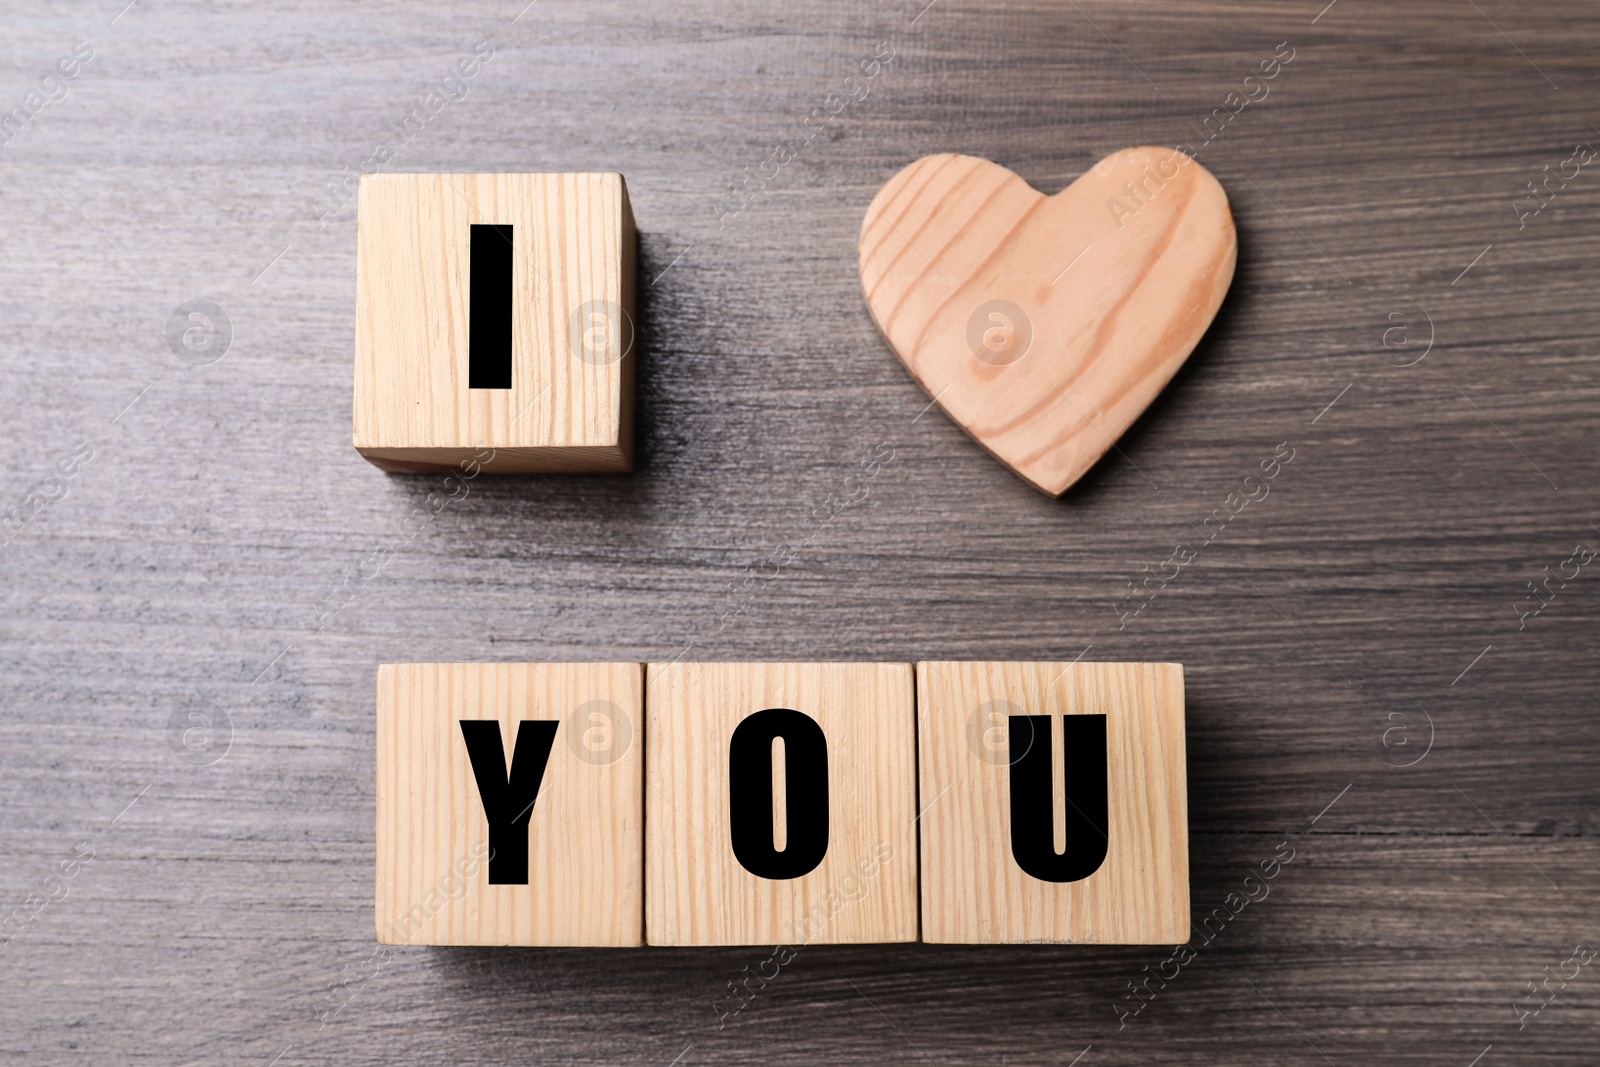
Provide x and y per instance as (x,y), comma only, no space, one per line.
(1043,325)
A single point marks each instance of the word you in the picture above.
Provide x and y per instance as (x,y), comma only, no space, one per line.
(52,89)
(744,187)
(1582,155)
(852,887)
(452,885)
(1234,102)
(509,792)
(1139,993)
(1253,489)
(53,888)
(45,491)
(341,190)
(1581,955)
(1579,559)
(342,591)
(851,491)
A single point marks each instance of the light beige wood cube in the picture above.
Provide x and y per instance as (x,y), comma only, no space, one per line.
(864,889)
(974,890)
(570,404)
(585,833)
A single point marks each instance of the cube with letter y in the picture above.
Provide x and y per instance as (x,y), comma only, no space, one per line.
(494,322)
(510,804)
(1054,803)
(780,804)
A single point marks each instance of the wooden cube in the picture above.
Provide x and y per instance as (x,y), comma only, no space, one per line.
(494,322)
(510,804)
(1054,802)
(781,804)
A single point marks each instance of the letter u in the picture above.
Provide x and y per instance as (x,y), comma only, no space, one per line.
(1032,816)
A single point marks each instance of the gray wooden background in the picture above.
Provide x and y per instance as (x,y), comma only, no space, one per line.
(194,593)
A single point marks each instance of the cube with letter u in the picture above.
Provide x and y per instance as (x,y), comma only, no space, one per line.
(1054,804)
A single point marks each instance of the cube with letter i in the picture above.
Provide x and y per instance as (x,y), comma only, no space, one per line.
(494,323)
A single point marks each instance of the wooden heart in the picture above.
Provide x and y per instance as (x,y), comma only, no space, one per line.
(1044,325)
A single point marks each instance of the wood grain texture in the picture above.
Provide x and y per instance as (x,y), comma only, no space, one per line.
(865,887)
(585,882)
(1045,325)
(226,554)
(972,890)
(570,405)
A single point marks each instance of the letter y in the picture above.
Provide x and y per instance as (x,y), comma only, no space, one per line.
(508,796)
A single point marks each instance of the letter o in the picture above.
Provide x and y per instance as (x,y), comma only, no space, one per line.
(750,799)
